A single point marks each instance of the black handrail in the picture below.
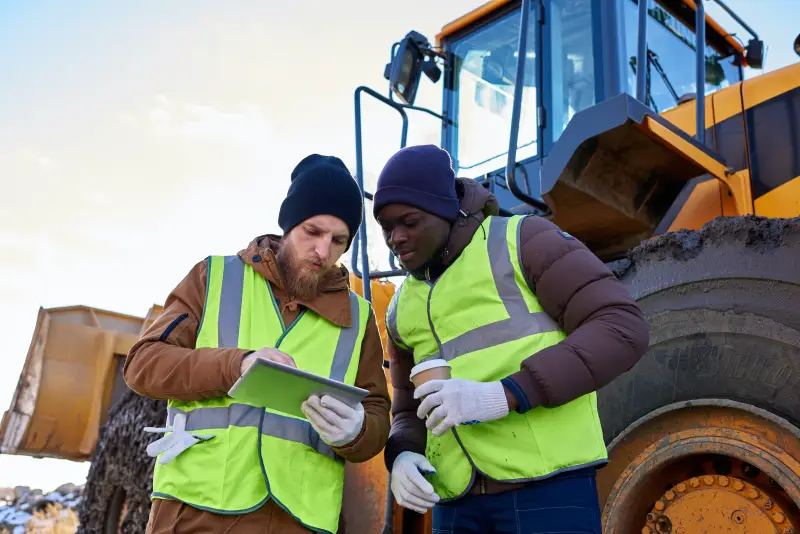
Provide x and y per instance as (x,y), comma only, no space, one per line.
(516,110)
(737,18)
(360,180)
(377,274)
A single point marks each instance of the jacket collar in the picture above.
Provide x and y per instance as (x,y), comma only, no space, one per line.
(333,300)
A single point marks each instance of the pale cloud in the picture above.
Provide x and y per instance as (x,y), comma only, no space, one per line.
(125,118)
(245,126)
(24,159)
(97,197)
(158,115)
(25,257)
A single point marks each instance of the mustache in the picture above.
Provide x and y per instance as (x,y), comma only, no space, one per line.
(316,260)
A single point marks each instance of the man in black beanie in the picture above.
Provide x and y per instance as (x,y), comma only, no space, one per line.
(285,299)
(531,325)
(325,205)
(322,185)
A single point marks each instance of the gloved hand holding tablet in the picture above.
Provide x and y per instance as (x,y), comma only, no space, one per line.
(284,389)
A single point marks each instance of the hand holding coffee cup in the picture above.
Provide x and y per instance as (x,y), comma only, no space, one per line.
(430,370)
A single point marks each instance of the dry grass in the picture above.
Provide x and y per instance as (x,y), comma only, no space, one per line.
(55,519)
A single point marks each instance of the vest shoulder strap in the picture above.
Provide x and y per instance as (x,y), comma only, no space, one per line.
(223,299)
(390,320)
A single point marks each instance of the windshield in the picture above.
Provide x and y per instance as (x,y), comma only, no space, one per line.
(485,72)
(671,65)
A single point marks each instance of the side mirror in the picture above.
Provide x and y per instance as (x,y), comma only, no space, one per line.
(405,70)
(755,53)
(797,45)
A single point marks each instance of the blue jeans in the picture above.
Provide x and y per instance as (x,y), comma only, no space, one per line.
(565,504)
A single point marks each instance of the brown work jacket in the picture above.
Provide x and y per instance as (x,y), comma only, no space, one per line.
(164,364)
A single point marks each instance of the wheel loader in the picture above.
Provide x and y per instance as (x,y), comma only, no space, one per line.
(642,128)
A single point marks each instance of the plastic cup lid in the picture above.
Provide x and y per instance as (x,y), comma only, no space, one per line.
(430,364)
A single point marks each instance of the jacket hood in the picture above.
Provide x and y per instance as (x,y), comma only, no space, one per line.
(476,203)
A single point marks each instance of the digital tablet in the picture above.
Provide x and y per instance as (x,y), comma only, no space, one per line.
(282,388)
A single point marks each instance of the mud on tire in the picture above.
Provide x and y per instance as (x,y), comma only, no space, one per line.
(723,304)
(117,493)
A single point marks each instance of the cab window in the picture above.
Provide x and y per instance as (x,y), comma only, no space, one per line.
(671,61)
(485,74)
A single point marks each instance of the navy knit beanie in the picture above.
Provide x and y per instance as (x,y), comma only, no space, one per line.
(421,176)
(322,185)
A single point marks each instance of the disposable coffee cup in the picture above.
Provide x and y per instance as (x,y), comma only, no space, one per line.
(430,370)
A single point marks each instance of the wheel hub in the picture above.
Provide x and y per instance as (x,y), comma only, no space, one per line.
(708,465)
(716,504)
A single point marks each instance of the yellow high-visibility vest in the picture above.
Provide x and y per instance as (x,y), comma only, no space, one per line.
(259,454)
(482,317)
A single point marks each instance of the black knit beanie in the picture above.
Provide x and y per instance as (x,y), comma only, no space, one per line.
(322,185)
(420,176)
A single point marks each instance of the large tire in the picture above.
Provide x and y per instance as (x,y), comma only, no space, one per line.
(117,493)
(723,304)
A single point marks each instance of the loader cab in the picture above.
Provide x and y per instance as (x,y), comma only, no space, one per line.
(579,57)
(565,73)
(578,53)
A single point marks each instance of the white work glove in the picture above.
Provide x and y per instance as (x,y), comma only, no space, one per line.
(178,441)
(409,487)
(337,423)
(460,402)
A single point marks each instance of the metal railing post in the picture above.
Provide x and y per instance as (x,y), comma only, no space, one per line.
(641,54)
(516,111)
(700,102)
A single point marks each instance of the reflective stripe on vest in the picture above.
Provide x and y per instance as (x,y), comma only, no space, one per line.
(520,323)
(244,415)
(258,454)
(481,316)
(230,306)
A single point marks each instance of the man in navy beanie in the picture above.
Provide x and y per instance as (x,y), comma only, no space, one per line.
(531,325)
(420,176)
(286,299)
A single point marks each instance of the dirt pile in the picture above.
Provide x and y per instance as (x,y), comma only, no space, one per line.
(23,508)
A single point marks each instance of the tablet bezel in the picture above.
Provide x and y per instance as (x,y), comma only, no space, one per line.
(320,385)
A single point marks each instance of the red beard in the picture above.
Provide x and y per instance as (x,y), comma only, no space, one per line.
(299,279)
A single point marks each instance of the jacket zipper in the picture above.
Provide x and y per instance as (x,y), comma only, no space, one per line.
(430,320)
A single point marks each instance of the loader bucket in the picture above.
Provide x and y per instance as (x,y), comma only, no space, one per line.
(616,171)
(71,378)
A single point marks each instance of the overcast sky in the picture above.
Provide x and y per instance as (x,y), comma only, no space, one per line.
(139,137)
